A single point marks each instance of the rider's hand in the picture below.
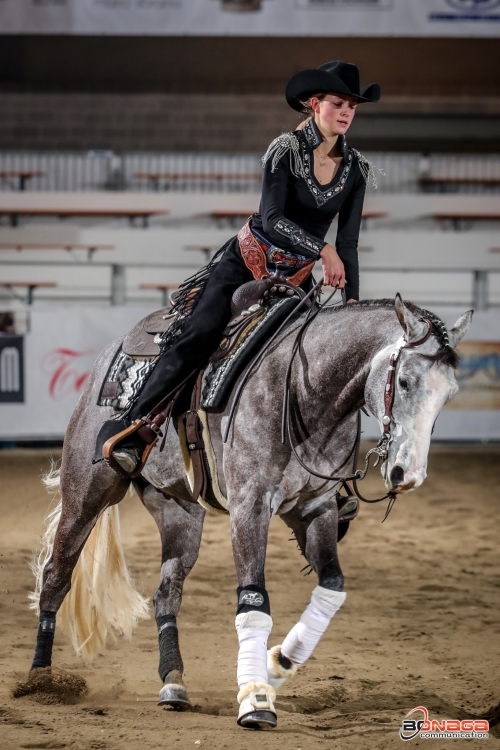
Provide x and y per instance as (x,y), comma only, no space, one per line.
(333,268)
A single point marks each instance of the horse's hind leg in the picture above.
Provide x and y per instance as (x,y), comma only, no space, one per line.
(85,492)
(316,534)
(180,523)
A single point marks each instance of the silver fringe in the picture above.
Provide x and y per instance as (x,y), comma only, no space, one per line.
(368,170)
(283,143)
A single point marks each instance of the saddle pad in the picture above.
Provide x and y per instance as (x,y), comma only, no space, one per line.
(124,380)
(127,374)
(220,376)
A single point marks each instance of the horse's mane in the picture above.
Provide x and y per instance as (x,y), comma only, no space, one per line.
(445,355)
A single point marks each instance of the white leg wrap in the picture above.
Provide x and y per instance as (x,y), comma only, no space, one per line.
(253,630)
(304,636)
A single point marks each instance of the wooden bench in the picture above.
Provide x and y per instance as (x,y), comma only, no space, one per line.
(22,175)
(442,183)
(459,219)
(165,290)
(18,246)
(29,285)
(64,213)
(371,214)
(155,177)
(234,214)
(207,250)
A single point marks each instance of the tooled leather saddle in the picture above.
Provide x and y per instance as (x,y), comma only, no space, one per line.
(144,339)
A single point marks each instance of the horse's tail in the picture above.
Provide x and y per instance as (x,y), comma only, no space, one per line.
(102,600)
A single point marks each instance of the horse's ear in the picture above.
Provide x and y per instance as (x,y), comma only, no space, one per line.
(413,327)
(456,334)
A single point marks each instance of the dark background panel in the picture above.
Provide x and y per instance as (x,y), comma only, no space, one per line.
(243,64)
(226,93)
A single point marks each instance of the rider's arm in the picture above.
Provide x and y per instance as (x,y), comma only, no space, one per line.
(280,230)
(348,234)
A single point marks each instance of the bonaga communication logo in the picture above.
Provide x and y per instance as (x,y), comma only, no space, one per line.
(474,5)
(447,729)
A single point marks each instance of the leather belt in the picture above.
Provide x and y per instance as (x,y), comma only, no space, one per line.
(254,254)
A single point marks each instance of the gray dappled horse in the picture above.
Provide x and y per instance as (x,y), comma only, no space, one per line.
(342,364)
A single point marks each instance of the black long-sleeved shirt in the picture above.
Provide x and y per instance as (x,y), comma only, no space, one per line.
(296,211)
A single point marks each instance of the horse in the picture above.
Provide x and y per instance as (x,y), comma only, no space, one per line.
(342,365)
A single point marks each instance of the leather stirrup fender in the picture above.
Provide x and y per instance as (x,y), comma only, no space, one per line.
(195,443)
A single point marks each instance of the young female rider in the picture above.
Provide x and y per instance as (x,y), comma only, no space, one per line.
(310,176)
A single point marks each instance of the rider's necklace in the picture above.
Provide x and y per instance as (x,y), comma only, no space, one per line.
(322,159)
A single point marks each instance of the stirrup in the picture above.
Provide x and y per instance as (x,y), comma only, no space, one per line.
(110,445)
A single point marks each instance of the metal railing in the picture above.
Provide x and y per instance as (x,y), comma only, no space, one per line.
(230,173)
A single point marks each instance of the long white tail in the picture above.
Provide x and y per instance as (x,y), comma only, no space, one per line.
(103,600)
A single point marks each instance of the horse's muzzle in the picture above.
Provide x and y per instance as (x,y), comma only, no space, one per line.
(396,477)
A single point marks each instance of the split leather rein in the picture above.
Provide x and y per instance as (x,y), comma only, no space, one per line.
(382,447)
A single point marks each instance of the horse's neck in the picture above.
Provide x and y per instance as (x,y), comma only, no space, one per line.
(340,351)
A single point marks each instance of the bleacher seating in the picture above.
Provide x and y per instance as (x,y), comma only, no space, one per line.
(405,246)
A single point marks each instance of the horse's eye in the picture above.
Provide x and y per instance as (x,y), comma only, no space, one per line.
(403,384)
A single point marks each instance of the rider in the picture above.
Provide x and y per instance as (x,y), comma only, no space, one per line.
(309,177)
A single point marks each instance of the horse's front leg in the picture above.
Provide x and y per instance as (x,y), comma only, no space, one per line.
(180,523)
(316,533)
(250,517)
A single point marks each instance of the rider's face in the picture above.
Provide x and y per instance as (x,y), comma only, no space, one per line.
(334,113)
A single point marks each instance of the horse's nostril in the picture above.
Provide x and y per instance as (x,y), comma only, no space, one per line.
(397,475)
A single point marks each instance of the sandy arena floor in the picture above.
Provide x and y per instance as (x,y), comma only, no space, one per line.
(421,625)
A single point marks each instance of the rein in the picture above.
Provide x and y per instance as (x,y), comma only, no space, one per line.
(380,450)
(382,447)
(260,356)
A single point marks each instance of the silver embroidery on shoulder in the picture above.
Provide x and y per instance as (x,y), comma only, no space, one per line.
(367,169)
(277,148)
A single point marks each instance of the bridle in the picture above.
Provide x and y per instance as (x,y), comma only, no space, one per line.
(382,447)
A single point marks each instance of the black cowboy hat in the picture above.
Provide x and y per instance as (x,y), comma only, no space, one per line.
(336,77)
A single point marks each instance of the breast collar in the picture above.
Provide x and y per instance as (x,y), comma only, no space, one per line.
(310,140)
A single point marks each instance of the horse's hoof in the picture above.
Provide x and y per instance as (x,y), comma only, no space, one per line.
(257,711)
(261,719)
(175,696)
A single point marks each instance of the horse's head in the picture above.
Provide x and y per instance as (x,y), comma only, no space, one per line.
(424,381)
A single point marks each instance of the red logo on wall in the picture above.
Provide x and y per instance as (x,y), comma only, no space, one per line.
(66,377)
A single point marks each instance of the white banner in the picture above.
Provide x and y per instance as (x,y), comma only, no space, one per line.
(459,18)
(60,349)
(42,377)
